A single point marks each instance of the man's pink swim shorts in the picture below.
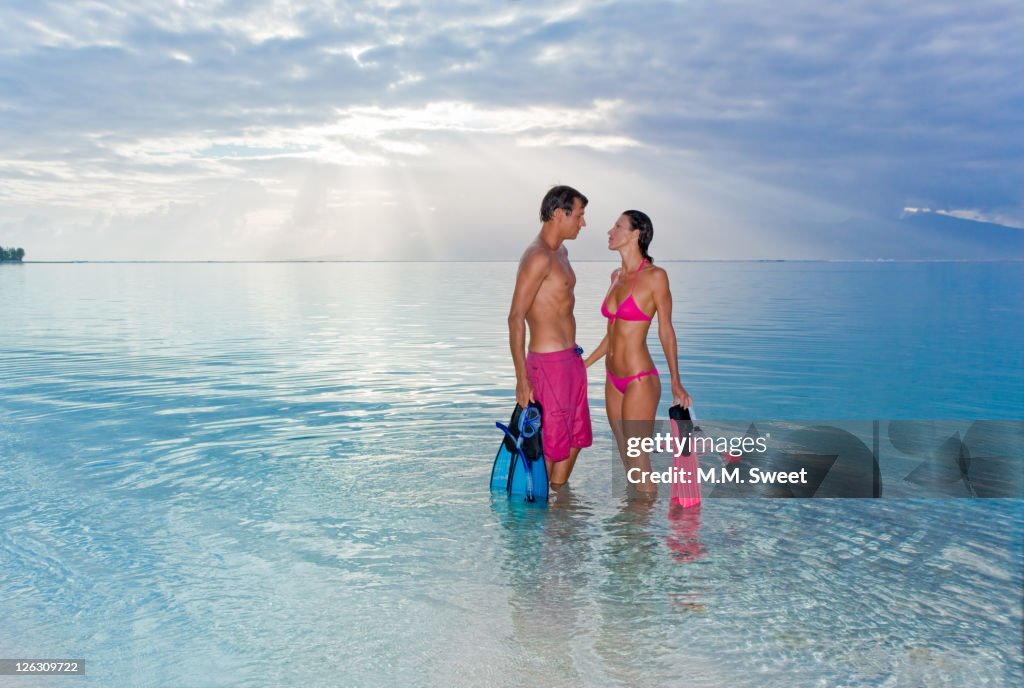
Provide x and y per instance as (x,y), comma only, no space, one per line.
(559,381)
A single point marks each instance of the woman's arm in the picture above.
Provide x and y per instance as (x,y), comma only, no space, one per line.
(602,348)
(667,335)
(598,353)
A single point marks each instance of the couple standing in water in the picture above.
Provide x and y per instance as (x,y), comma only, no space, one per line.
(550,369)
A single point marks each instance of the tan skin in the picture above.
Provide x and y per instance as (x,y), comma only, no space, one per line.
(625,346)
(544,300)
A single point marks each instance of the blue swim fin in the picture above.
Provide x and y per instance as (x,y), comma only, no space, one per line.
(519,467)
(529,479)
(501,469)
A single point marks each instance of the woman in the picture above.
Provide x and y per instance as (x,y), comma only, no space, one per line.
(639,292)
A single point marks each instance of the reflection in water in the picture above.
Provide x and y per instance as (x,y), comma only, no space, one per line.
(545,561)
(683,538)
(274,472)
(638,636)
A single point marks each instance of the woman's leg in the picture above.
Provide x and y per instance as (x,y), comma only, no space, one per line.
(639,404)
(613,407)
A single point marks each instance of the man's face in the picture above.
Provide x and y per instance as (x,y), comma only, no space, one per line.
(574,221)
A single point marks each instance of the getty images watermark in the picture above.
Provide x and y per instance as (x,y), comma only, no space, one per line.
(682,445)
(862,458)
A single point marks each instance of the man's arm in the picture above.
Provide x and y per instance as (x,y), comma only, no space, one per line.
(533,269)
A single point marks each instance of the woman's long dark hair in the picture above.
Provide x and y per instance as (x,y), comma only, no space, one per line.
(639,220)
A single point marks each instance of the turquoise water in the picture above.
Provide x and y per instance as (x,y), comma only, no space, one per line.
(267,474)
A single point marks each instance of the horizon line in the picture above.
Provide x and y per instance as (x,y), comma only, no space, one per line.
(511,260)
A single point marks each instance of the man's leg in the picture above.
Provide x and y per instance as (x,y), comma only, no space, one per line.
(559,471)
(580,434)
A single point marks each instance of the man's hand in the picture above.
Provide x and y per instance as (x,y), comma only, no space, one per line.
(524,392)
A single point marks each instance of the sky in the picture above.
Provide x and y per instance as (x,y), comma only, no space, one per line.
(398,130)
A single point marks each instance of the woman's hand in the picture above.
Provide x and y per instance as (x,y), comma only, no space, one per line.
(680,395)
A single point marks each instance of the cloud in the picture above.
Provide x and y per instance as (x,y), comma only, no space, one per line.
(972,214)
(862,108)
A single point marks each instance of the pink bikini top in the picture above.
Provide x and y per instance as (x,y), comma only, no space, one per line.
(627,310)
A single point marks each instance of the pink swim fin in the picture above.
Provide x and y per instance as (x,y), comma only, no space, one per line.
(685,488)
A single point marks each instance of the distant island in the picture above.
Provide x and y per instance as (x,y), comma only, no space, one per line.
(11,255)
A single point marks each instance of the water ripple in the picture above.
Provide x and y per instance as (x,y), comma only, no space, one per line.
(245,466)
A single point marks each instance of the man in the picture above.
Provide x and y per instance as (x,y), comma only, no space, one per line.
(552,373)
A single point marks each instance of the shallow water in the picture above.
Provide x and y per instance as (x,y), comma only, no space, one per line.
(255,474)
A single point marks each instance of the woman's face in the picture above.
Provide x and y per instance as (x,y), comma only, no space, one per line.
(621,233)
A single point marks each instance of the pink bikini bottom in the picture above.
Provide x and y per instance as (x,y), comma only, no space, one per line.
(621,383)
